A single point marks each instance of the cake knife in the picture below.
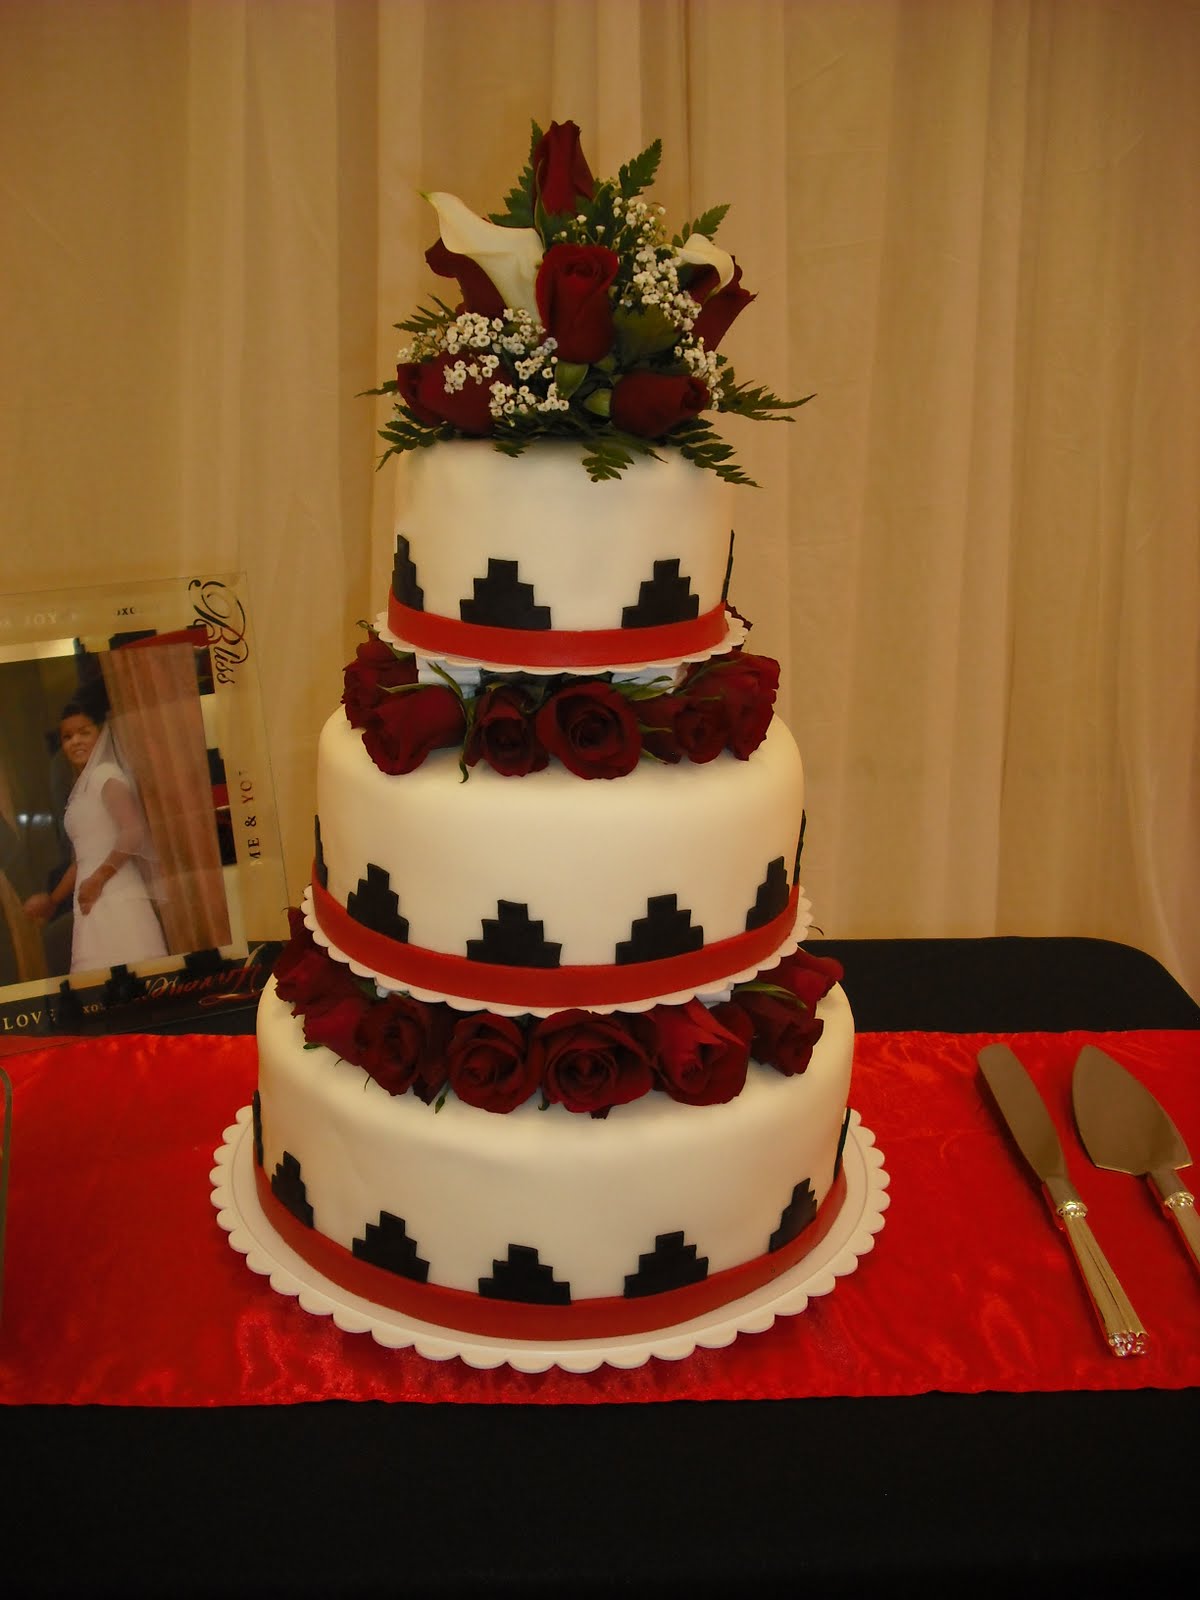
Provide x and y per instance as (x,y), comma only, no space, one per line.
(1124,1129)
(1028,1120)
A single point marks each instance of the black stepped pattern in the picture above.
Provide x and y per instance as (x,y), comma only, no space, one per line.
(287,1185)
(841,1149)
(404,577)
(377,906)
(665,930)
(665,597)
(512,938)
(256,1122)
(728,570)
(123,986)
(521,1276)
(320,870)
(387,1244)
(502,600)
(800,1210)
(672,1264)
(799,847)
(772,898)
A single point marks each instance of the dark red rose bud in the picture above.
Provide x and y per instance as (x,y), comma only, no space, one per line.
(375,669)
(808,977)
(308,977)
(423,389)
(701,1059)
(650,404)
(299,947)
(335,1025)
(572,297)
(591,729)
(392,1039)
(560,172)
(589,1062)
(719,310)
(479,293)
(488,1064)
(658,719)
(408,382)
(785,1029)
(502,733)
(745,686)
(406,727)
(700,721)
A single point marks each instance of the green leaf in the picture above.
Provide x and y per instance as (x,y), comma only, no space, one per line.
(424,320)
(518,202)
(638,174)
(641,333)
(654,690)
(568,375)
(706,223)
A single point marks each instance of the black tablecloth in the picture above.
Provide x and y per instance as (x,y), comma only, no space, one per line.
(933,1494)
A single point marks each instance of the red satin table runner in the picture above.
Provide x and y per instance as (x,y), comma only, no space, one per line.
(121,1289)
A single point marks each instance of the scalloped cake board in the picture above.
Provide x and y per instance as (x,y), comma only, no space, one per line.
(852,1236)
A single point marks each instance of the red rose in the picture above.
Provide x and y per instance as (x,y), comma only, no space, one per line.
(572,297)
(406,727)
(746,686)
(423,388)
(299,945)
(487,1063)
(393,1038)
(591,729)
(502,733)
(478,292)
(701,1060)
(560,172)
(408,382)
(719,310)
(809,977)
(784,1032)
(335,1020)
(650,404)
(375,668)
(308,977)
(589,1062)
(687,723)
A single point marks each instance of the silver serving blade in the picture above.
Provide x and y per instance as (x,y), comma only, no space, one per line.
(1124,1129)
(1029,1122)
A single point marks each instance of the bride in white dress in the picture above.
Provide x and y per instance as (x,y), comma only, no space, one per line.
(115,922)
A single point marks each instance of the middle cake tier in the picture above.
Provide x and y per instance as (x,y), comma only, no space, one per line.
(544,892)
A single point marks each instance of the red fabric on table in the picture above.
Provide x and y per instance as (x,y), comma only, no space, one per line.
(121,1288)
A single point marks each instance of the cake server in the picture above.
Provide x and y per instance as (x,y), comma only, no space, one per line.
(1029,1122)
(1124,1128)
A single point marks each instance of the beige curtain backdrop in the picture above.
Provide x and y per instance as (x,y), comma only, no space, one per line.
(974,230)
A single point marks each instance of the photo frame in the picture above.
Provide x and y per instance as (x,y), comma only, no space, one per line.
(141,876)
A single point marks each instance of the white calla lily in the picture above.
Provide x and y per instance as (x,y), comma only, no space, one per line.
(697,251)
(509,256)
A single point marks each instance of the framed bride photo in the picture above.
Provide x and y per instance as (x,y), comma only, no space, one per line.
(140,869)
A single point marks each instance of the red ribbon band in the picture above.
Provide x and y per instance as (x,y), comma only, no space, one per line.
(607,1318)
(559,987)
(555,647)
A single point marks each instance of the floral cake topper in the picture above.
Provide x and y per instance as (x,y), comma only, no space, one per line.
(578,319)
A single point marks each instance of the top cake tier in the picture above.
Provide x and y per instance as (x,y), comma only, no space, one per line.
(527,564)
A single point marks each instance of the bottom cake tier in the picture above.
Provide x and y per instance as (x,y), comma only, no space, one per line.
(541,1223)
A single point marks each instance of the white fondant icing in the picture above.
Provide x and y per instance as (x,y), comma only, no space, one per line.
(585,548)
(590,1195)
(709,993)
(583,854)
